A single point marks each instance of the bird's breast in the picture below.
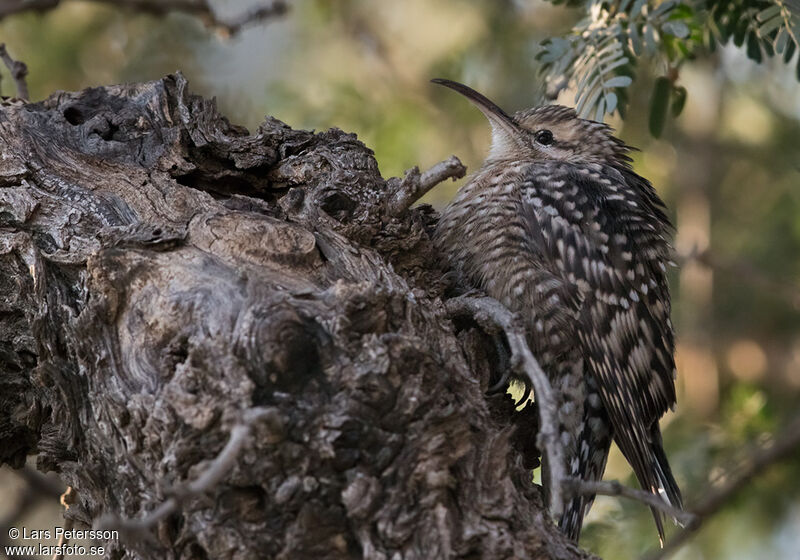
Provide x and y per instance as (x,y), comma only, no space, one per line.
(482,235)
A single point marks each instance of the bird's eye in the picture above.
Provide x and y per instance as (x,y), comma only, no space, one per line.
(544,137)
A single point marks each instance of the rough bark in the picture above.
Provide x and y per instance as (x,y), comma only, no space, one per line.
(165,274)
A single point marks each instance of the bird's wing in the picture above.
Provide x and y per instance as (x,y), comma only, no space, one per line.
(606,234)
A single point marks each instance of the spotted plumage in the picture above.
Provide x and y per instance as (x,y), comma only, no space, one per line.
(558,227)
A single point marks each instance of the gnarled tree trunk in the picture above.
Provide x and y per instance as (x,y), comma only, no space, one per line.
(167,277)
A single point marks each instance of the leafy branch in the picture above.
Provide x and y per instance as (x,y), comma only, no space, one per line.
(597,58)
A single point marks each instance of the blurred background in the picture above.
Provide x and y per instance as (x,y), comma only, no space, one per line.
(728,168)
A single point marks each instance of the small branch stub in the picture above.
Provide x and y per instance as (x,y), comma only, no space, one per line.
(415,184)
(18,71)
(256,15)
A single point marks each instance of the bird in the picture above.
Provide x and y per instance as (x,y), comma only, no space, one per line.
(558,227)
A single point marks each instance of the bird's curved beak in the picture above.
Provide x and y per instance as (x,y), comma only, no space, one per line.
(505,131)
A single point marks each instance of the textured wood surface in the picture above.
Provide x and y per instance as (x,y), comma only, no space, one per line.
(163,272)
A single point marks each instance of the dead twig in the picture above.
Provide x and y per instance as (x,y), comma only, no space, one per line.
(219,467)
(256,15)
(490,313)
(18,71)
(415,184)
(10,7)
(782,447)
(199,8)
(576,486)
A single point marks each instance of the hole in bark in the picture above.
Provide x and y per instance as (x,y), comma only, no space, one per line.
(293,360)
(45,242)
(124,418)
(171,527)
(74,116)
(194,550)
(348,445)
(293,199)
(221,186)
(107,133)
(245,502)
(176,352)
(8,219)
(337,205)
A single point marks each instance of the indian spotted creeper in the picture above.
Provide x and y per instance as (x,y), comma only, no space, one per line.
(558,227)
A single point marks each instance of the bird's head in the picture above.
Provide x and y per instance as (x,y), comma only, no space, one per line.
(549,132)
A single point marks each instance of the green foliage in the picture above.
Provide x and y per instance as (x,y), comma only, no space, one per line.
(659,106)
(598,56)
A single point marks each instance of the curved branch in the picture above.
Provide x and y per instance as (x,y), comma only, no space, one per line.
(489,312)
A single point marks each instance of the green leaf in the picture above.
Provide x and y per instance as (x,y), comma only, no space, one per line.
(668,45)
(611,102)
(768,49)
(781,40)
(621,62)
(769,27)
(789,52)
(740,32)
(618,81)
(601,110)
(587,103)
(650,38)
(710,37)
(754,48)
(715,32)
(621,105)
(637,7)
(687,54)
(676,28)
(635,39)
(659,105)
(554,49)
(769,13)
(611,57)
(583,87)
(727,23)
(678,100)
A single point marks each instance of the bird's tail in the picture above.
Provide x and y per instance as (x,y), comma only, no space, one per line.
(666,487)
(593,452)
(588,463)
